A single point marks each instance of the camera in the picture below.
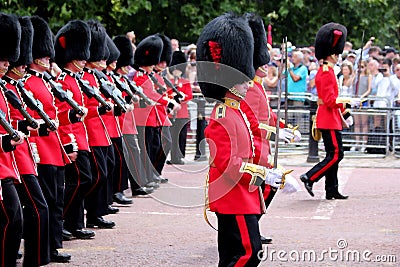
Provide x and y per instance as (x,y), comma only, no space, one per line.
(383,70)
(192,64)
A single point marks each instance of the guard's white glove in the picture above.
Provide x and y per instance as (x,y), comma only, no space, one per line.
(350,121)
(286,135)
(297,136)
(274,177)
(355,102)
(291,185)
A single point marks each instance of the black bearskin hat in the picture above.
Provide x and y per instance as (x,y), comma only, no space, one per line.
(261,54)
(25,53)
(178,62)
(166,53)
(224,55)
(10,30)
(72,42)
(330,40)
(113,49)
(43,45)
(98,41)
(148,51)
(125,47)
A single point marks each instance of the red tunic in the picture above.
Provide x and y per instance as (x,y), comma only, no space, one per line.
(22,153)
(127,120)
(49,147)
(111,122)
(329,112)
(7,162)
(161,109)
(96,130)
(185,87)
(78,129)
(149,115)
(230,142)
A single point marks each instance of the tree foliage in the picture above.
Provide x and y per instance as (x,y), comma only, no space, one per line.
(299,20)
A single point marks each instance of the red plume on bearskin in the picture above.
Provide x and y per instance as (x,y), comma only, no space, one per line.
(72,42)
(330,40)
(148,51)
(226,43)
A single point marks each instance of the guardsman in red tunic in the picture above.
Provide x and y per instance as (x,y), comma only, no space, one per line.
(35,210)
(258,105)
(165,133)
(71,52)
(51,154)
(129,150)
(329,44)
(180,118)
(118,178)
(10,207)
(99,138)
(149,118)
(234,180)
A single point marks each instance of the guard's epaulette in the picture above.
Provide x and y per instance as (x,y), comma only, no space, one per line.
(62,76)
(220,111)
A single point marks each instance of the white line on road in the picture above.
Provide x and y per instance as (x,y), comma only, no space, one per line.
(326,208)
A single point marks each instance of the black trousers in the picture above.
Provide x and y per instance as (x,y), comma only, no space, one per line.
(120,174)
(149,139)
(78,180)
(110,174)
(179,135)
(51,180)
(328,167)
(138,175)
(96,199)
(10,223)
(238,240)
(163,150)
(36,221)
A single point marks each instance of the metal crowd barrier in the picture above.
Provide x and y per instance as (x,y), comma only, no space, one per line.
(376,131)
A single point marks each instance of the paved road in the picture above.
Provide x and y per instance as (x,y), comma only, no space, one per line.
(168,228)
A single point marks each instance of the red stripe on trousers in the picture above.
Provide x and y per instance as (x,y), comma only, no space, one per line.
(244,234)
(76,189)
(38,216)
(334,159)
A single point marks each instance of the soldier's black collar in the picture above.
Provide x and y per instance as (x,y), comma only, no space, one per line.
(69,72)
(35,73)
(9,80)
(87,70)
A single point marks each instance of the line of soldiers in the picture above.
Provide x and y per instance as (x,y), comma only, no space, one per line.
(74,130)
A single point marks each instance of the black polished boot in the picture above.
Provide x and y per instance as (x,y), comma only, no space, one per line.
(307,184)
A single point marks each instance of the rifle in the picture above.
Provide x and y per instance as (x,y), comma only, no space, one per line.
(59,93)
(138,91)
(7,126)
(178,95)
(17,104)
(35,105)
(90,92)
(108,90)
(359,65)
(161,88)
